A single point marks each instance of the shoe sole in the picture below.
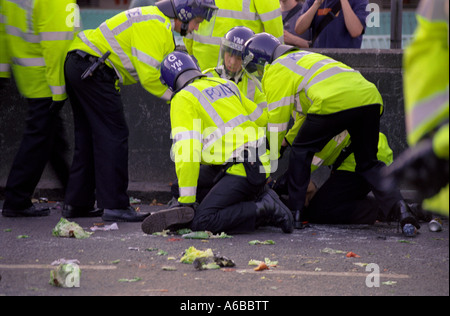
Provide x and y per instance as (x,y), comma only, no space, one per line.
(274,195)
(159,221)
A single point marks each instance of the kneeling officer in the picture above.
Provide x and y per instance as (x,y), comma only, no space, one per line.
(218,147)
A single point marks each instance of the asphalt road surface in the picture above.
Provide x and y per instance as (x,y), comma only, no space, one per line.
(310,262)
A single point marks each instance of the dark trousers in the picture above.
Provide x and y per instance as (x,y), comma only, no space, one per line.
(100,164)
(363,125)
(343,199)
(44,141)
(226,205)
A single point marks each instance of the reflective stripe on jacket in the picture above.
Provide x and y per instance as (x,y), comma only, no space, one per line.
(4,53)
(39,33)
(210,125)
(138,40)
(311,83)
(258,15)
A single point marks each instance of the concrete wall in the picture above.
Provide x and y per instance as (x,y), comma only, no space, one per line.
(150,167)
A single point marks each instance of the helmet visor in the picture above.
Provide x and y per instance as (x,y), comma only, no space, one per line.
(254,66)
(230,60)
(209,13)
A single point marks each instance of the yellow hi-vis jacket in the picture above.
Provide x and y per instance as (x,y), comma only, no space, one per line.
(210,125)
(258,15)
(138,40)
(251,90)
(4,54)
(426,80)
(332,150)
(311,83)
(39,34)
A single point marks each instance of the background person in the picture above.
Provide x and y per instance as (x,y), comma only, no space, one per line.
(334,23)
(291,11)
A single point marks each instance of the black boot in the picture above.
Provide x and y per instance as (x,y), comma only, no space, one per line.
(420,213)
(270,211)
(297,221)
(402,213)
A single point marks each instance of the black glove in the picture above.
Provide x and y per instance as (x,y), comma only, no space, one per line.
(4,82)
(56,106)
(420,169)
(283,148)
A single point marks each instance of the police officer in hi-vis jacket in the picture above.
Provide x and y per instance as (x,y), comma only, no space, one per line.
(35,37)
(128,48)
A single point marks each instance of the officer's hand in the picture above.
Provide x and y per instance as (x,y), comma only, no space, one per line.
(420,169)
(284,146)
(56,106)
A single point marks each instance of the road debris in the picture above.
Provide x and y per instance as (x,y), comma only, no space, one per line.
(351,254)
(136,279)
(257,242)
(266,261)
(155,202)
(103,227)
(205,235)
(435,225)
(66,275)
(65,261)
(64,228)
(212,263)
(196,235)
(261,267)
(187,233)
(192,253)
(403,241)
(164,233)
(331,251)
(134,201)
